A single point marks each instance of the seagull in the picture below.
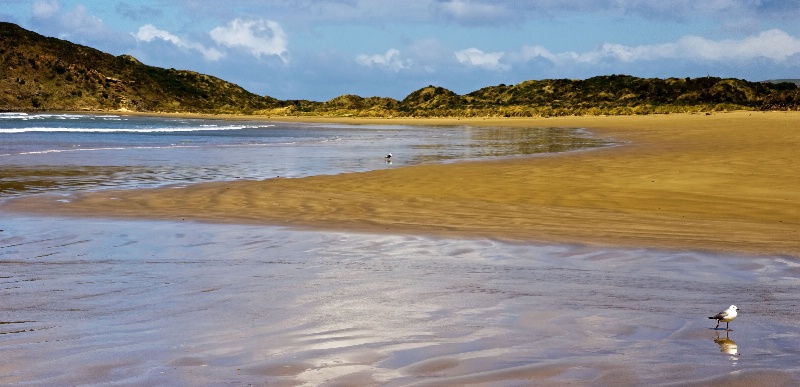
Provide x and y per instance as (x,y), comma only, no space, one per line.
(389,156)
(725,316)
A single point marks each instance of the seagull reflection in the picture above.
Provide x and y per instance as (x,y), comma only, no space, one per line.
(727,345)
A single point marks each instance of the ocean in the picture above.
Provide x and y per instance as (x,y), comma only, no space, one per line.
(145,302)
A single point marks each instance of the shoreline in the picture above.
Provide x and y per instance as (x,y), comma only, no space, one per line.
(725,182)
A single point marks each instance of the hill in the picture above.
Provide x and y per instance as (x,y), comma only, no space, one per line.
(602,95)
(795,81)
(623,94)
(41,73)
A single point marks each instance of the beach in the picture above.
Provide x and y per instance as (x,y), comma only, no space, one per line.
(589,267)
(725,182)
(140,303)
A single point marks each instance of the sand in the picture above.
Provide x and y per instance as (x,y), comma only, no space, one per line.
(725,182)
(140,301)
(150,303)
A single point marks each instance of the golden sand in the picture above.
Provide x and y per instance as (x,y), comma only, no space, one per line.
(726,182)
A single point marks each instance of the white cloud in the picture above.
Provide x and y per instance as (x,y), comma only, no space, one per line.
(390,60)
(259,37)
(45,9)
(148,33)
(477,58)
(775,45)
(529,53)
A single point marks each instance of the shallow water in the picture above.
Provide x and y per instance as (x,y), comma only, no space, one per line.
(140,302)
(69,152)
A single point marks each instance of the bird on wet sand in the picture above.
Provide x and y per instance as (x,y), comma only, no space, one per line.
(725,316)
(389,156)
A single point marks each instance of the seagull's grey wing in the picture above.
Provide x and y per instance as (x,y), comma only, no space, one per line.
(721,315)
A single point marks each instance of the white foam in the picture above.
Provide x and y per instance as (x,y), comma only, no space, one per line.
(11,115)
(131,130)
(62,116)
(41,152)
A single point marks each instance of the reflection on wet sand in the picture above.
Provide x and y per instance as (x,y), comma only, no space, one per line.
(506,142)
(177,303)
(727,345)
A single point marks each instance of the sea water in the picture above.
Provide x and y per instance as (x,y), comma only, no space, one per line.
(138,302)
(52,152)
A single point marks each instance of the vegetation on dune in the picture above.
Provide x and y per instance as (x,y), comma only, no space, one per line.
(603,95)
(623,94)
(41,73)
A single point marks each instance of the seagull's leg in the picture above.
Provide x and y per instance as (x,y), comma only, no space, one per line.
(717,327)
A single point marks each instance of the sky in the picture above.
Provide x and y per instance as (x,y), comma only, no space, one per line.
(321,49)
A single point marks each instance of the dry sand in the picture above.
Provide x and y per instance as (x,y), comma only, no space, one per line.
(724,182)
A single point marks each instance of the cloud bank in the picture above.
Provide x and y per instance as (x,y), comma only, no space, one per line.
(477,58)
(774,45)
(259,38)
(149,33)
(391,60)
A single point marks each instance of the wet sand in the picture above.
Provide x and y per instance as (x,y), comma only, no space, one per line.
(726,182)
(142,303)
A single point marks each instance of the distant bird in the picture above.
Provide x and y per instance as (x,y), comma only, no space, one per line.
(389,156)
(725,316)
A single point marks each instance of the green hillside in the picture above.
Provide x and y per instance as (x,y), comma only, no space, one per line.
(41,73)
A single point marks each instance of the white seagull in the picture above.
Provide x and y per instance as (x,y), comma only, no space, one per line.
(389,156)
(725,316)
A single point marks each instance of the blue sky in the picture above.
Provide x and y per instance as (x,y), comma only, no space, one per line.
(320,49)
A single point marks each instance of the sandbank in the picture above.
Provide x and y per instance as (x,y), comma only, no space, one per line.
(725,182)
